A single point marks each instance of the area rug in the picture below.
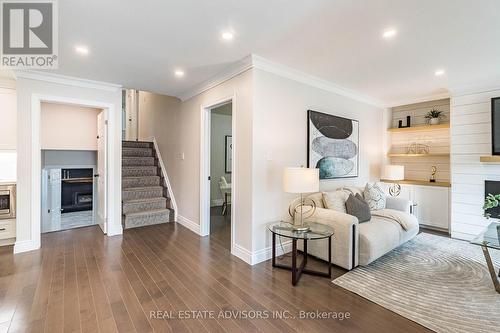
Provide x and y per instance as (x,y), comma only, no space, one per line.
(438,282)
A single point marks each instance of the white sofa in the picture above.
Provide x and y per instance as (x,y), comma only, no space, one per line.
(357,243)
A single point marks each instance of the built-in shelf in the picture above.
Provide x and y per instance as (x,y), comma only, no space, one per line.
(419,128)
(419,182)
(490,159)
(417,155)
(78,180)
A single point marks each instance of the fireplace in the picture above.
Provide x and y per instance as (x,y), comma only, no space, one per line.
(492,187)
(77,190)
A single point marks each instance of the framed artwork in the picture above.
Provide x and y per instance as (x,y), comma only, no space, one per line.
(228,152)
(332,145)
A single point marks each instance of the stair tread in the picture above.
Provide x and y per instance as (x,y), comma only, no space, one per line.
(143,188)
(138,177)
(138,166)
(144,200)
(146,212)
(136,141)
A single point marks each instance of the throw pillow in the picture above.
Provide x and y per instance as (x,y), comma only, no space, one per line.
(374,196)
(356,206)
(335,200)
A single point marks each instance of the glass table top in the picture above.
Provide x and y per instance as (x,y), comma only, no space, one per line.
(490,237)
(316,231)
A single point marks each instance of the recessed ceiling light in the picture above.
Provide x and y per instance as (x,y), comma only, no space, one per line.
(82,50)
(439,72)
(179,73)
(389,33)
(227,35)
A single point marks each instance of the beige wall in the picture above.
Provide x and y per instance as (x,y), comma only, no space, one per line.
(8,123)
(280,140)
(68,127)
(158,117)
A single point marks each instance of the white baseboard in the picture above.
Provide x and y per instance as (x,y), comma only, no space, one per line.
(242,253)
(25,246)
(193,226)
(267,253)
(114,230)
(461,236)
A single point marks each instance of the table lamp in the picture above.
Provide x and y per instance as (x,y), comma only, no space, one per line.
(395,173)
(301,180)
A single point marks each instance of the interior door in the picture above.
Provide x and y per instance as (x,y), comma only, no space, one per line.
(51,200)
(100,177)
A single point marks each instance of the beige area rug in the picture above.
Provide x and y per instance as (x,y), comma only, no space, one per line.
(438,282)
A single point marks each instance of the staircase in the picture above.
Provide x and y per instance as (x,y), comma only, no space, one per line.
(145,198)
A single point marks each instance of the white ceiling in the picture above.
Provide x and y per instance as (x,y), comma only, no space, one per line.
(140,43)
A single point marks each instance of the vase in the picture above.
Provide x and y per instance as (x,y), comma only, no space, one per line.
(434,121)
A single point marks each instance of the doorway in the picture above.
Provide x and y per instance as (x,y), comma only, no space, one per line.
(217,204)
(73,166)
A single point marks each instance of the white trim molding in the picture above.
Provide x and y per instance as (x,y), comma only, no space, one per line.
(66,80)
(267,253)
(258,62)
(191,225)
(242,253)
(165,176)
(420,99)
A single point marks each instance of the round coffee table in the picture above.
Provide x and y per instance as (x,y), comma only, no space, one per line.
(316,231)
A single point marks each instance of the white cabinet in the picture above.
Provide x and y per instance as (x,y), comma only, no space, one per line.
(432,204)
(7,231)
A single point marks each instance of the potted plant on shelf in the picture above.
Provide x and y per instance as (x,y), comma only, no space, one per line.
(434,116)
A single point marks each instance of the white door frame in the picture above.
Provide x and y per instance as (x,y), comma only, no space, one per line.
(205,165)
(36,158)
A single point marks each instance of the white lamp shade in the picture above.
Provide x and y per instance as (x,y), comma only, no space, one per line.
(301,180)
(394,172)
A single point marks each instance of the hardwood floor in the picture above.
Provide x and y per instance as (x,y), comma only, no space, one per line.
(83,281)
(220,227)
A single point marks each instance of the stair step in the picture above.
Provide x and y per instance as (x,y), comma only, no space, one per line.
(144,181)
(136,144)
(141,205)
(141,219)
(132,193)
(138,171)
(138,152)
(138,161)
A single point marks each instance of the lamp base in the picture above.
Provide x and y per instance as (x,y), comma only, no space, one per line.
(300,228)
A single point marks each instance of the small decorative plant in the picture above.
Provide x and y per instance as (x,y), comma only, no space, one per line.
(433,116)
(491,201)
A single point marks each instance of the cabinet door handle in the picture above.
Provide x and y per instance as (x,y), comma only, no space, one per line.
(2,229)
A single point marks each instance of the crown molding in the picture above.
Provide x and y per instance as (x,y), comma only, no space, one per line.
(258,62)
(310,80)
(66,80)
(420,99)
(233,70)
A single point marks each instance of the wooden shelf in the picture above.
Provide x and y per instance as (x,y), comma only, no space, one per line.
(78,180)
(419,182)
(419,128)
(417,155)
(490,159)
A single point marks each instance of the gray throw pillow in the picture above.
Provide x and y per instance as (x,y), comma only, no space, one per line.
(356,206)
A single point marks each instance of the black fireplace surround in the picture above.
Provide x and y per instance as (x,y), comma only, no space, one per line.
(76,190)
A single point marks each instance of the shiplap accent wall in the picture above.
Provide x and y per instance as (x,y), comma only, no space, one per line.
(470,139)
(419,168)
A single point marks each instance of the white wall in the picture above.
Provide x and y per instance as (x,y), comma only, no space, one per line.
(221,125)
(470,139)
(8,123)
(280,140)
(69,127)
(30,86)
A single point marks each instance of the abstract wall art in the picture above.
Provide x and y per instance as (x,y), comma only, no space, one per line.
(333,145)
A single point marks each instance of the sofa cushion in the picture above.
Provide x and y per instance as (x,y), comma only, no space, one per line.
(317,198)
(335,200)
(381,235)
(353,190)
(374,196)
(356,206)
